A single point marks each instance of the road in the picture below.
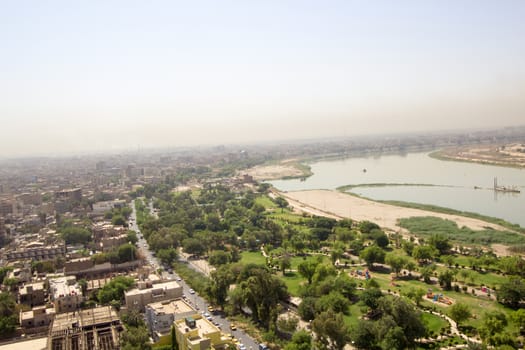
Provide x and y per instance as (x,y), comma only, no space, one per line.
(198,302)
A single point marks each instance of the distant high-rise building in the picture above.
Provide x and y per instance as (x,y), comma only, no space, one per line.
(72,195)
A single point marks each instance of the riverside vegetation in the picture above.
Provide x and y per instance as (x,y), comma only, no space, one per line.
(264,253)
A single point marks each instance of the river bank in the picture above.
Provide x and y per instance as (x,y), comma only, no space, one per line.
(338,205)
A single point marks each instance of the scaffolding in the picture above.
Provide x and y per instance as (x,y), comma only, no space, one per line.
(92,329)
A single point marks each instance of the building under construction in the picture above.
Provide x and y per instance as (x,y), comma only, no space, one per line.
(91,329)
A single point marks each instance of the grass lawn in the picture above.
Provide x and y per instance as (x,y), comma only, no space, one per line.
(253,258)
(296,260)
(355,314)
(266,202)
(434,323)
(294,282)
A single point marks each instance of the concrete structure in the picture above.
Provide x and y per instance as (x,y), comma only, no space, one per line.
(37,251)
(109,243)
(70,195)
(7,207)
(75,265)
(160,316)
(38,317)
(105,229)
(92,329)
(100,208)
(32,294)
(148,293)
(197,333)
(65,293)
(86,268)
(30,198)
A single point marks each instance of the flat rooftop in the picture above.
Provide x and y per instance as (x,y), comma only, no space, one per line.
(35,285)
(177,306)
(84,318)
(159,286)
(203,326)
(63,286)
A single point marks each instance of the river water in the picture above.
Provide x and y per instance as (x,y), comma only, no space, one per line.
(454,183)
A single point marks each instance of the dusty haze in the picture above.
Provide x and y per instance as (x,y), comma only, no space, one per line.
(101,76)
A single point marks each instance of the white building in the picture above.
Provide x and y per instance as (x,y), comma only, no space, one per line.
(65,293)
(161,315)
(148,293)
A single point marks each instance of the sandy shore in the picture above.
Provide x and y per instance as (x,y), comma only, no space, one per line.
(273,172)
(340,205)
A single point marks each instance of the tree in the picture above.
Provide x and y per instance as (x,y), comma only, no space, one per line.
(193,246)
(262,292)
(372,254)
(307,269)
(331,330)
(118,220)
(370,297)
(168,256)
(115,289)
(445,279)
(281,203)
(405,316)
(221,280)
(396,262)
(424,253)
(367,226)
(512,292)
(127,252)
(287,324)
(285,263)
(132,237)
(334,301)
(492,329)
(301,340)
(219,257)
(441,243)
(426,272)
(416,294)
(363,335)
(135,338)
(174,344)
(518,317)
(8,316)
(460,312)
(381,239)
(394,339)
(307,309)
(75,235)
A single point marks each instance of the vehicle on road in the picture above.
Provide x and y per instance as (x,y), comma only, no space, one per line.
(233,327)
(192,291)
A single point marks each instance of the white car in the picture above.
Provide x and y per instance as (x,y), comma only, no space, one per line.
(192,291)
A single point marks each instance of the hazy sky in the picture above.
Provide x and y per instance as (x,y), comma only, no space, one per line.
(102,75)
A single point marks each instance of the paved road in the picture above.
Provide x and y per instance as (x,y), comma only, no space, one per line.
(194,299)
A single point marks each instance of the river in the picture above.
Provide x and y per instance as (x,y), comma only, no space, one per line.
(453,183)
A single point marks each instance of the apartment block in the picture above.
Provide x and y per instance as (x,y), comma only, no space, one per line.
(32,294)
(197,333)
(37,251)
(148,293)
(161,315)
(37,317)
(65,293)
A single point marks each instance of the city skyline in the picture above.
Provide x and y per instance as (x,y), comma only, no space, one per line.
(108,76)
